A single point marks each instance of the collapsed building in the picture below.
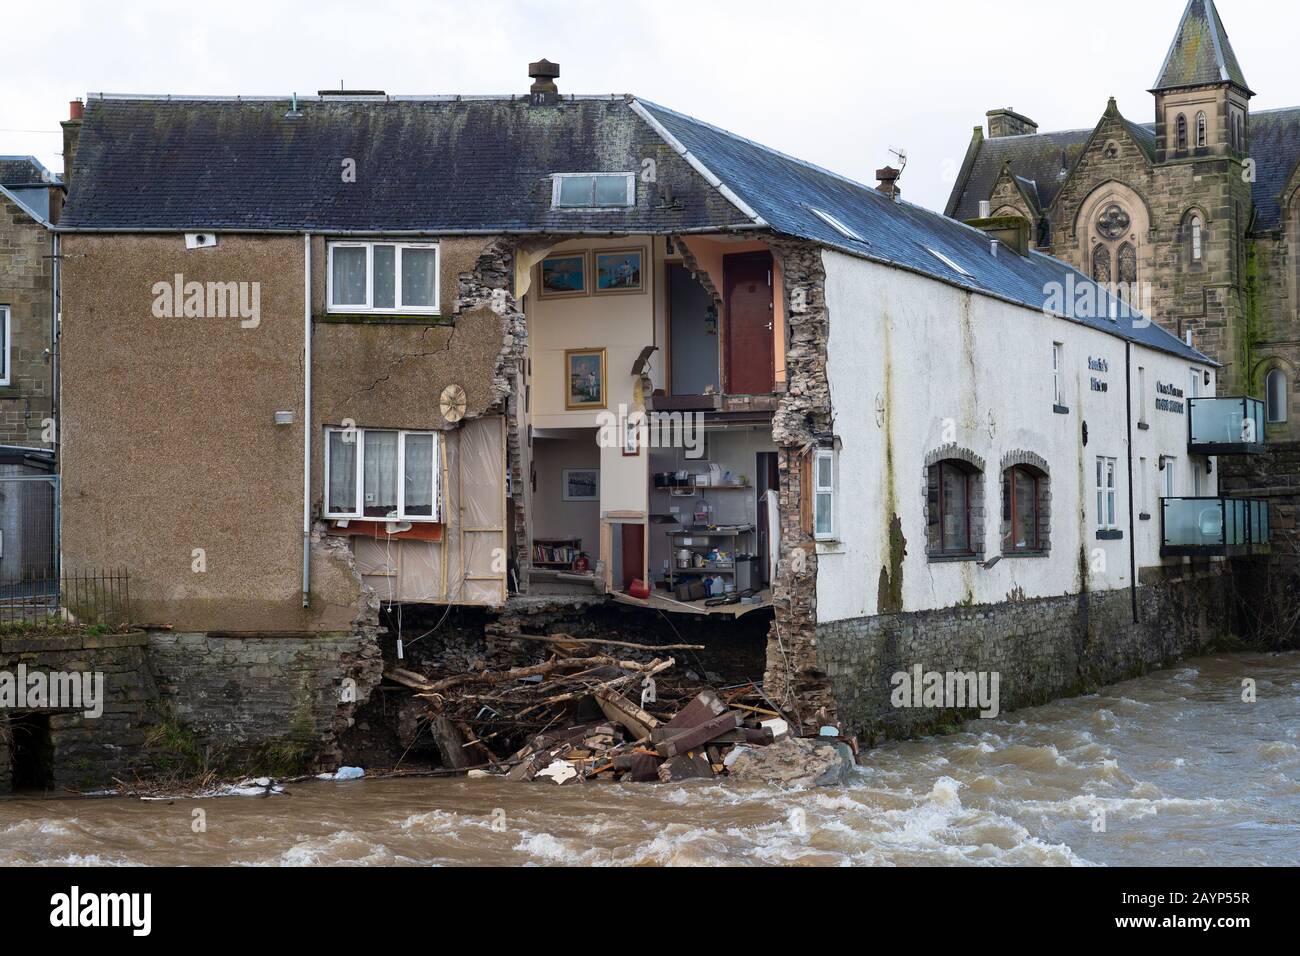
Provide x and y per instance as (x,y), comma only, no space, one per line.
(329,361)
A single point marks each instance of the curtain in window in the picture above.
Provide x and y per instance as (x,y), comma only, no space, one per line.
(385,277)
(419,277)
(349,276)
(342,490)
(419,475)
(380,481)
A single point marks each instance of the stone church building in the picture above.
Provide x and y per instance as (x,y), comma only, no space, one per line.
(1198,211)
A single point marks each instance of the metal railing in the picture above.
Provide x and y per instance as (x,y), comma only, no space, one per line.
(90,598)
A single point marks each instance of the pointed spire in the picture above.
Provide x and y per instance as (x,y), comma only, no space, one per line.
(1201,54)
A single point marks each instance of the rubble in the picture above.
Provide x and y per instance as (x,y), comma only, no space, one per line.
(578,716)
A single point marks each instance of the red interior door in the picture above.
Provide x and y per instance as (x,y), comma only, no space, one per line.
(633,556)
(751,368)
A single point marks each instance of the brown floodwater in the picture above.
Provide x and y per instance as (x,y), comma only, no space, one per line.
(1175,765)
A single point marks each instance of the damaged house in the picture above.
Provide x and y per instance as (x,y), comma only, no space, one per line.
(328,353)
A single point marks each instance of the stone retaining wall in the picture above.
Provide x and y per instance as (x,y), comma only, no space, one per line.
(1042,649)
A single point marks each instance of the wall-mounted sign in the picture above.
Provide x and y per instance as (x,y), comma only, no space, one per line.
(1098,365)
(1171,403)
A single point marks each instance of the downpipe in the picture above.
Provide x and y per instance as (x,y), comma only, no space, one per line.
(306,421)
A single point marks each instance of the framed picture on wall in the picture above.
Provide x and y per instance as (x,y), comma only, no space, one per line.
(584,378)
(581,484)
(563,276)
(619,271)
(632,436)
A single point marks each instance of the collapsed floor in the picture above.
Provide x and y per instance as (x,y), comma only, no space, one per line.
(605,687)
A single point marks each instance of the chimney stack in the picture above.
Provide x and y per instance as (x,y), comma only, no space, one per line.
(889,182)
(71,135)
(1007,122)
(544,73)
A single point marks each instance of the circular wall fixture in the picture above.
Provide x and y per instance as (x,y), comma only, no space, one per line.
(452,403)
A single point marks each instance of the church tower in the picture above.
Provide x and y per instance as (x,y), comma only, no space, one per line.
(1202,100)
(1203,183)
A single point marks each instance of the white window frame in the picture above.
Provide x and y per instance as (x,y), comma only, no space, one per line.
(1142,395)
(1107,493)
(948,262)
(368,307)
(1171,490)
(1144,503)
(558,178)
(824,454)
(6,352)
(1058,370)
(358,513)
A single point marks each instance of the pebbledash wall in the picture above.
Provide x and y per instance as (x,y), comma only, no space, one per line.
(183,410)
(921,371)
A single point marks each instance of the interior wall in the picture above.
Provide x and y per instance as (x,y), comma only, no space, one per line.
(553,517)
(694,349)
(733,450)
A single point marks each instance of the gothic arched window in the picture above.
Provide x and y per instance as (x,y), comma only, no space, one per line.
(1275,396)
(1182,131)
(1196,238)
(1101,271)
(1128,264)
(1202,131)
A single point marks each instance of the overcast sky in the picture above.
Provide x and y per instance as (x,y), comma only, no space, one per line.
(837,83)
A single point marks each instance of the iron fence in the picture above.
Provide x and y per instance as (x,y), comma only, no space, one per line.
(92,598)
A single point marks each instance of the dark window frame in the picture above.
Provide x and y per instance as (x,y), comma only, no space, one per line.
(967,473)
(1034,542)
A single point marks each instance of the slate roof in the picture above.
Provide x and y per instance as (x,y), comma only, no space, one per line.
(23,171)
(1200,54)
(785,191)
(1040,158)
(483,165)
(422,164)
(1275,144)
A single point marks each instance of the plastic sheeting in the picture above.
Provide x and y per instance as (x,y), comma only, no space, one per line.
(473,544)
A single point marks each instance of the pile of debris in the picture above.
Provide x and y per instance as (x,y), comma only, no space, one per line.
(570,719)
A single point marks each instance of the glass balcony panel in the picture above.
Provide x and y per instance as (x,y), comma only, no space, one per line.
(1226,426)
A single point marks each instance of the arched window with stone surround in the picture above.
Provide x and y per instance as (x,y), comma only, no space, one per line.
(1025,506)
(1128,264)
(954,505)
(1101,264)
(1196,239)
(1275,397)
(1202,131)
(1182,131)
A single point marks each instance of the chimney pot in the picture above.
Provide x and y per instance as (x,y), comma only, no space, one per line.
(544,73)
(76,110)
(888,182)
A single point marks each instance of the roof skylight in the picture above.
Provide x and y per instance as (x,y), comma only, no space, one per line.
(948,262)
(835,224)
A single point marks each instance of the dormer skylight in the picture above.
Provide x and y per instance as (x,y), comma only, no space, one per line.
(835,224)
(948,262)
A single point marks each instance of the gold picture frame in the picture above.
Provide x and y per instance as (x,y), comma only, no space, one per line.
(618,271)
(564,275)
(585,380)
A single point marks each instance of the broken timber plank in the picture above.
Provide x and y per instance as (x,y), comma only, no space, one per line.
(697,736)
(704,707)
(625,713)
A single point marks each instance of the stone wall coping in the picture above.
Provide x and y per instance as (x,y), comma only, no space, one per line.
(19,644)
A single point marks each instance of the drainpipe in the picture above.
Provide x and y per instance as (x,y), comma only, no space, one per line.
(306,420)
(57,443)
(1132,524)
